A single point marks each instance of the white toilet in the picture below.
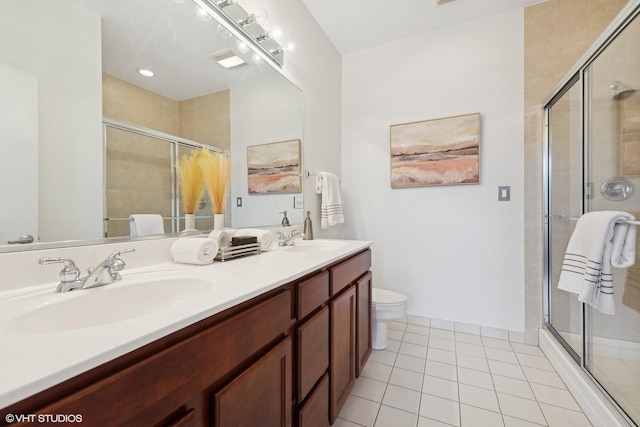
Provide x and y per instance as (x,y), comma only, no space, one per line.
(386,305)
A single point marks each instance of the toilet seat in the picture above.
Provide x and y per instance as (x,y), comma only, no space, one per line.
(386,297)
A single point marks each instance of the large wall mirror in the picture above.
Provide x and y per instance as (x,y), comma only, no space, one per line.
(69,80)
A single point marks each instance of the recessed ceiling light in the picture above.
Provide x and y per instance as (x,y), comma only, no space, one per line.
(145,72)
(228,58)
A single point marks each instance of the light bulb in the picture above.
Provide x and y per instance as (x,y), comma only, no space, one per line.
(202,14)
(145,72)
(290,47)
(262,17)
(257,59)
(277,34)
(242,46)
(223,32)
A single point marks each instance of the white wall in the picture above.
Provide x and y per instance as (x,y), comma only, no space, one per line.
(455,251)
(68,66)
(316,69)
(262,112)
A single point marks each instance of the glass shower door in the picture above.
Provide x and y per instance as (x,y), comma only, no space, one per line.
(565,195)
(613,341)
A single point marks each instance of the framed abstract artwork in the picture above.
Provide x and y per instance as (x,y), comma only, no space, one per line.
(274,167)
(442,151)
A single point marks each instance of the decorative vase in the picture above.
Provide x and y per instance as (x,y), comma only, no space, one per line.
(189,221)
(218,221)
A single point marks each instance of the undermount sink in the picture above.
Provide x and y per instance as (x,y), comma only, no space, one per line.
(126,299)
(317,246)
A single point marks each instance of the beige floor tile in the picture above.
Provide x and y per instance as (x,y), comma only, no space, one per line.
(442,333)
(507,356)
(541,376)
(506,369)
(413,350)
(537,362)
(369,389)
(417,329)
(440,387)
(442,343)
(470,349)
(472,416)
(479,397)
(518,407)
(393,417)
(360,411)
(439,409)
(555,396)
(475,378)
(513,387)
(385,357)
(472,362)
(443,356)
(406,379)
(377,371)
(415,339)
(441,370)
(402,398)
(560,417)
(410,363)
(468,338)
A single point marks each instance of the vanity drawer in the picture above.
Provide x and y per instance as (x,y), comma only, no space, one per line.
(313,351)
(347,272)
(147,391)
(312,293)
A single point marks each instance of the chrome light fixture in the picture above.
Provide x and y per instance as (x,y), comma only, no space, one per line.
(248,28)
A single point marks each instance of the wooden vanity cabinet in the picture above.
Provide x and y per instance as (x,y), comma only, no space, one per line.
(333,337)
(286,358)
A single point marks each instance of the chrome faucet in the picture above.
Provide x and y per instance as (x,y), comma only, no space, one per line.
(104,273)
(288,240)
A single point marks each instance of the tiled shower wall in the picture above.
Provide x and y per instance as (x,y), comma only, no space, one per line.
(556,34)
(138,172)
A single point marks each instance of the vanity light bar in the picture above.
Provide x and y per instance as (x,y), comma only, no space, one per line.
(211,7)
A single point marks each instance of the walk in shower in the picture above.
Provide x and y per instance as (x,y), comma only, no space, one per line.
(592,163)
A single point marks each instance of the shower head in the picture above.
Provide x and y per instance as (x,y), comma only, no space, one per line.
(620,90)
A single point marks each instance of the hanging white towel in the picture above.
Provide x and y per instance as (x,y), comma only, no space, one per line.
(331,207)
(600,241)
(146,224)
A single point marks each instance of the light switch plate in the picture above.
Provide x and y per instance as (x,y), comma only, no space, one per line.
(297,202)
(504,193)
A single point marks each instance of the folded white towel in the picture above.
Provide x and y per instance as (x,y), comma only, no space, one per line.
(222,237)
(600,241)
(194,250)
(265,237)
(331,207)
(146,224)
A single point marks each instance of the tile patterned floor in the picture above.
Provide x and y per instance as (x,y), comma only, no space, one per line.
(433,377)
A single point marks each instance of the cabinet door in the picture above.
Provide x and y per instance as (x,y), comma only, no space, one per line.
(363,289)
(343,349)
(259,396)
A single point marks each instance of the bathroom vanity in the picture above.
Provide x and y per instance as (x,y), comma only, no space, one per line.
(282,351)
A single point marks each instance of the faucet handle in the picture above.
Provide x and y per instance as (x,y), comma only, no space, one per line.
(118,264)
(116,254)
(69,273)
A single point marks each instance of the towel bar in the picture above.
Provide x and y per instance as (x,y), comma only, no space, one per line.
(575,219)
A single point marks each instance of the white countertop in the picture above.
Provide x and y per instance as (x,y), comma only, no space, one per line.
(31,363)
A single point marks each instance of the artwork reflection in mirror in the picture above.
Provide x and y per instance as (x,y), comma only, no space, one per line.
(80,60)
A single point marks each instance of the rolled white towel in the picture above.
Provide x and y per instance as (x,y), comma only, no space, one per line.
(194,250)
(265,237)
(221,237)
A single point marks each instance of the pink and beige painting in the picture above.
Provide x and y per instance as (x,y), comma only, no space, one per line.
(274,167)
(436,152)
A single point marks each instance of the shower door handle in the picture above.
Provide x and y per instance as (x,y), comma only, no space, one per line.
(25,238)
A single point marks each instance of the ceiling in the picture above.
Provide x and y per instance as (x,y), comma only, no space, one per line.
(354,25)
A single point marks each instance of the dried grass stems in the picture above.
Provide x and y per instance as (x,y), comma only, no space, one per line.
(191,180)
(216,168)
